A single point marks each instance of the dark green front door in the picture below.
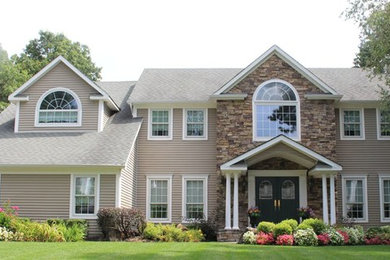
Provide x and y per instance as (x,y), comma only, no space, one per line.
(277,198)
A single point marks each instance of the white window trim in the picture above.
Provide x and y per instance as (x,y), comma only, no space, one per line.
(344,178)
(170,124)
(378,126)
(79,110)
(362,127)
(382,177)
(205,124)
(297,103)
(158,177)
(185,178)
(72,213)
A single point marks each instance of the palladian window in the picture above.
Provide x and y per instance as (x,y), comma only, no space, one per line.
(58,107)
(276,111)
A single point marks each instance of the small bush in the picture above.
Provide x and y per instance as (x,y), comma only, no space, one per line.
(335,238)
(323,239)
(127,222)
(266,227)
(208,227)
(292,222)
(171,233)
(282,229)
(5,220)
(265,238)
(73,230)
(285,240)
(317,224)
(345,236)
(249,238)
(34,231)
(305,237)
(7,235)
(303,226)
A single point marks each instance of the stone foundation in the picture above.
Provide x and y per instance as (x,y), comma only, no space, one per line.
(229,235)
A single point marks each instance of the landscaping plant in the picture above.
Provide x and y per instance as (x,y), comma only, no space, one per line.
(266,227)
(335,238)
(282,229)
(292,223)
(285,240)
(171,233)
(249,238)
(323,239)
(317,224)
(305,237)
(265,238)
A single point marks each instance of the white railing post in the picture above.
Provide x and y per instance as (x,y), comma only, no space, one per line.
(324,200)
(332,201)
(228,203)
(235,202)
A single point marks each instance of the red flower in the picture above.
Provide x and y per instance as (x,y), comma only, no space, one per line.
(345,236)
(323,239)
(15,207)
(265,239)
(285,240)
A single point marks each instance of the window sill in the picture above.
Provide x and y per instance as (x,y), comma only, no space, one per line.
(200,138)
(159,138)
(166,221)
(83,216)
(359,220)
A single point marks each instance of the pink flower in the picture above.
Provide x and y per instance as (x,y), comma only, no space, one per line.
(264,239)
(1,209)
(323,239)
(15,207)
(285,240)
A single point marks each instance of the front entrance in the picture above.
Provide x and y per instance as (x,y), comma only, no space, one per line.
(277,198)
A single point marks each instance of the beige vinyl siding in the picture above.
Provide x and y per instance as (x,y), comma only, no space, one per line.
(368,157)
(39,196)
(107,190)
(128,181)
(176,157)
(60,76)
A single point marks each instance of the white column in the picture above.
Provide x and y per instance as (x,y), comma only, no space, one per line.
(324,200)
(228,224)
(235,202)
(332,202)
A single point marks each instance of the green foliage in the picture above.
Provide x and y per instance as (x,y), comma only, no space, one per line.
(266,227)
(171,233)
(249,238)
(3,55)
(304,226)
(335,238)
(37,54)
(73,230)
(305,237)
(7,235)
(127,222)
(355,234)
(282,229)
(378,231)
(34,231)
(5,220)
(208,227)
(292,222)
(317,225)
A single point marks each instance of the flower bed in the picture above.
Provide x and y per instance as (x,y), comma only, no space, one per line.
(313,232)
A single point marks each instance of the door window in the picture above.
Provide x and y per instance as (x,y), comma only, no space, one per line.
(265,190)
(288,190)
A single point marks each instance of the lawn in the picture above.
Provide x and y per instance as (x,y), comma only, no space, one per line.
(138,250)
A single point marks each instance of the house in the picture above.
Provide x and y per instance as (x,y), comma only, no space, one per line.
(182,144)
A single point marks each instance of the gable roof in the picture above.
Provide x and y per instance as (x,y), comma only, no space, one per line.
(110,147)
(275,50)
(239,163)
(17,94)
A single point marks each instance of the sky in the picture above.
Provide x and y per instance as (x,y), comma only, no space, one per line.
(125,37)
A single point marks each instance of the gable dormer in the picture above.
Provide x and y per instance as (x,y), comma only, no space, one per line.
(61,98)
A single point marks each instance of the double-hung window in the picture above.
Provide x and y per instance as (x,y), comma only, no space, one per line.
(275,111)
(194,197)
(383,125)
(352,123)
(160,124)
(384,185)
(159,198)
(355,198)
(194,124)
(84,196)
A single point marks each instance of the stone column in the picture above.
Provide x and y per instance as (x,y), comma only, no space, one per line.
(325,200)
(332,201)
(228,223)
(235,202)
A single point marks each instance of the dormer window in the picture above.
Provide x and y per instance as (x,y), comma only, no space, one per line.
(58,107)
(275,111)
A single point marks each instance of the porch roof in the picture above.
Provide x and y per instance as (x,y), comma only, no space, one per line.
(284,147)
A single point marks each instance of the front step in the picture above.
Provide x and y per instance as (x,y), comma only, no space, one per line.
(224,235)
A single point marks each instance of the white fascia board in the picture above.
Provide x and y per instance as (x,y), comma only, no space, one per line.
(16,99)
(285,57)
(323,97)
(48,68)
(282,139)
(229,97)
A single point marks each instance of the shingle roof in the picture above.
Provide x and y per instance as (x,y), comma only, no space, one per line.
(196,85)
(110,147)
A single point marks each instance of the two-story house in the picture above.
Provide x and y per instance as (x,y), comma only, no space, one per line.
(183,144)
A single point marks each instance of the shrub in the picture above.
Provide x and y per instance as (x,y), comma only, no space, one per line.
(292,222)
(335,238)
(317,224)
(7,235)
(128,222)
(73,230)
(208,228)
(265,238)
(282,229)
(304,226)
(355,234)
(323,239)
(34,231)
(171,233)
(305,237)
(5,220)
(266,227)
(285,240)
(249,238)
(378,231)
(345,236)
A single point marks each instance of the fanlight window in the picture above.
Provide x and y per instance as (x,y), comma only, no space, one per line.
(59,108)
(276,110)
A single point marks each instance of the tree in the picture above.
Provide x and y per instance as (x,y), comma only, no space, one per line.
(37,54)
(373,18)
(3,55)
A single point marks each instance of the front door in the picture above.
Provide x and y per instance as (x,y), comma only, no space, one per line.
(277,198)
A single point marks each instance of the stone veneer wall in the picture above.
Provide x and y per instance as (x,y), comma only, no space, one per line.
(234,129)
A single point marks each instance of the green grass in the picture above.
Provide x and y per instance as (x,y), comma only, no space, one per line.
(204,251)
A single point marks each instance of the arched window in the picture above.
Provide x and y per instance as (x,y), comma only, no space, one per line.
(275,111)
(58,107)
